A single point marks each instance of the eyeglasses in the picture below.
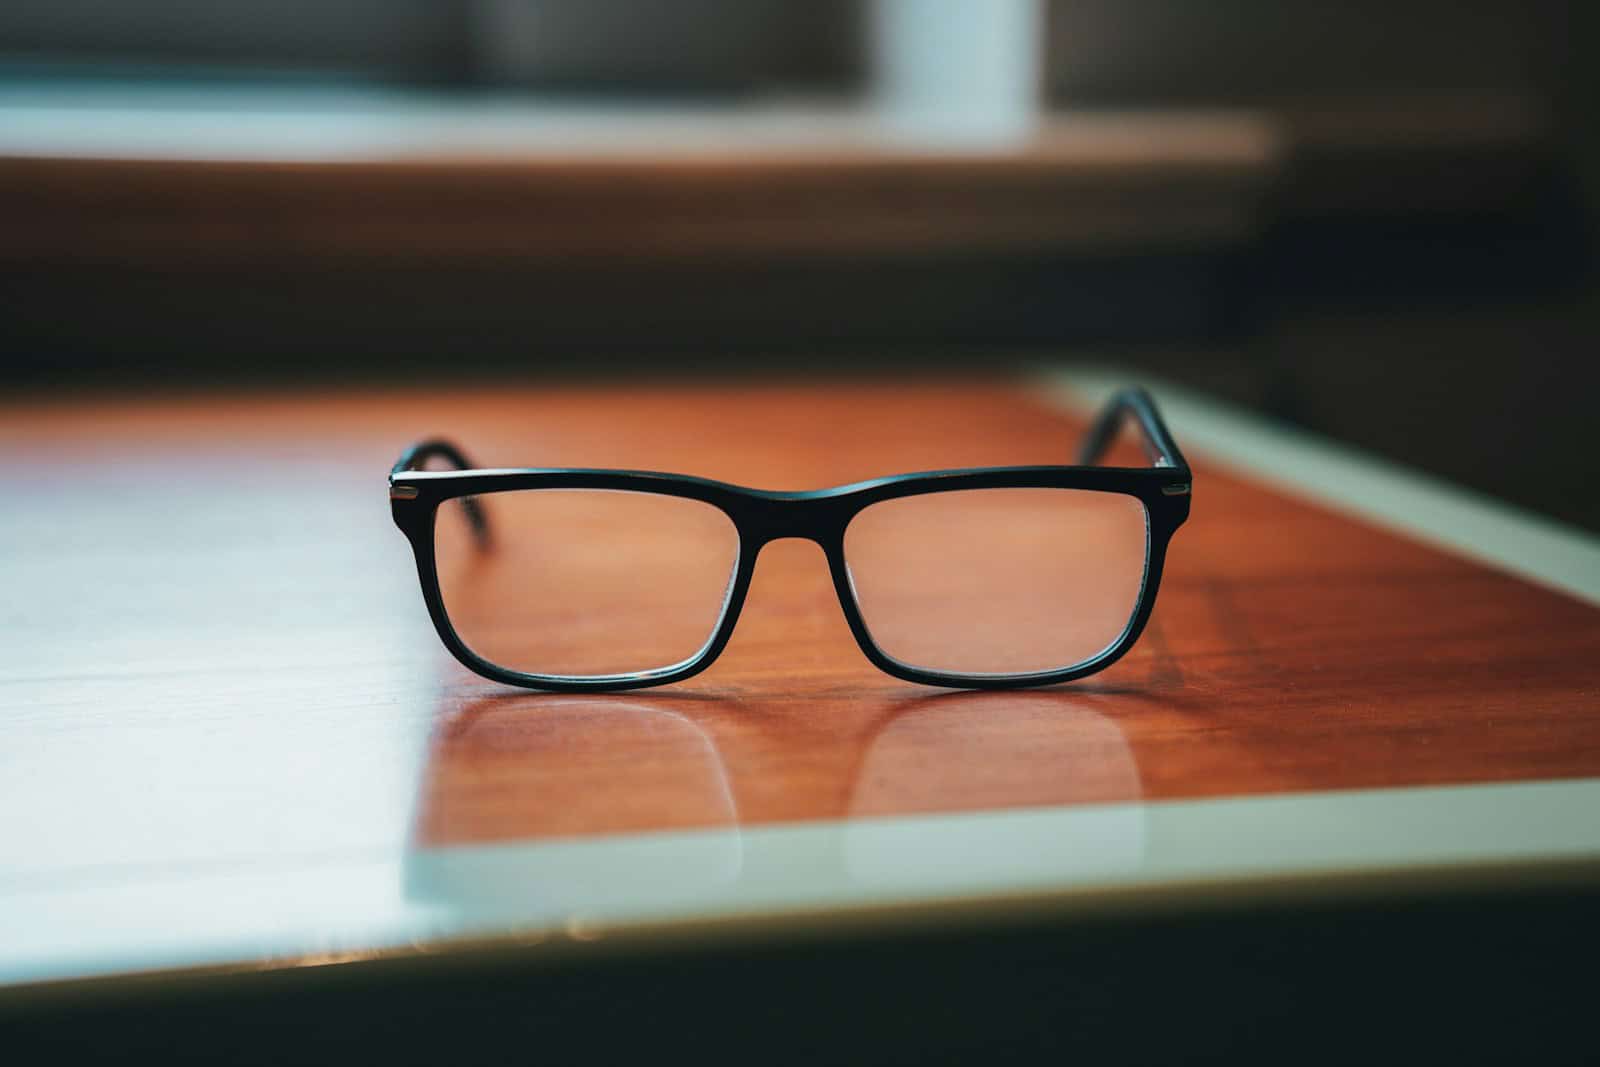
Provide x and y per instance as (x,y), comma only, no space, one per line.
(996,577)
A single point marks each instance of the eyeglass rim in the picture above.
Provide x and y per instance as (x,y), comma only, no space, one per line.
(761,516)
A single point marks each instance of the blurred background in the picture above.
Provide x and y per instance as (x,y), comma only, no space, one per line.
(1371,219)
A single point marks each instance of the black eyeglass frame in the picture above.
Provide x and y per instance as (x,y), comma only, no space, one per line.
(761,516)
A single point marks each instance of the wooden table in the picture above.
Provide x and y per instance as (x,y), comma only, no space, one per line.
(239,770)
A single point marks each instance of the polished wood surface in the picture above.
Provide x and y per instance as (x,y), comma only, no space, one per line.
(213,652)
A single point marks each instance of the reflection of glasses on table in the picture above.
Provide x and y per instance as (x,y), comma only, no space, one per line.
(985,578)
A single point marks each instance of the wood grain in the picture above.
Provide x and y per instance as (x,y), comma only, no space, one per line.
(213,651)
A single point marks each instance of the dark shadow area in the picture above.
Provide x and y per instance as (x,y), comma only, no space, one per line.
(1219,985)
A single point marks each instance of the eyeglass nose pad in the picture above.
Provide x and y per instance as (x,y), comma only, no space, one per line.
(727,590)
(850,582)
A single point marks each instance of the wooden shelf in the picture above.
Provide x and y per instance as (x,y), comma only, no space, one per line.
(181,180)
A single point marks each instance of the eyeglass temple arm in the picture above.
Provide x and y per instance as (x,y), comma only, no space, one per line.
(416,458)
(1154,435)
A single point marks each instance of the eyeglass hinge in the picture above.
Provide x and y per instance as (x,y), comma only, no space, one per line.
(1175,490)
(402,492)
